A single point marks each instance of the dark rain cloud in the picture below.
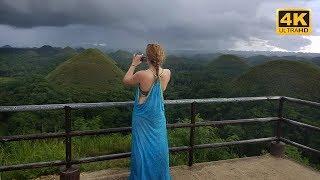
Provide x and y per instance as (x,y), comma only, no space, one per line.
(179,24)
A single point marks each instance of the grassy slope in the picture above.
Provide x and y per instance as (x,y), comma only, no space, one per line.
(281,77)
(89,69)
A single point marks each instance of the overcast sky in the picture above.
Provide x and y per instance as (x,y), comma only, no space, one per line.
(177,24)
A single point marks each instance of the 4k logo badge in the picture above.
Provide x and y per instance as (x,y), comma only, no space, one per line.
(293,21)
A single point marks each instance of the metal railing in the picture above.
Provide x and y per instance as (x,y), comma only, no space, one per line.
(68,134)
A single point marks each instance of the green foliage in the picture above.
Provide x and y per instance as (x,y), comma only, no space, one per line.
(28,152)
(49,150)
(24,123)
(295,154)
(80,123)
(21,62)
(33,89)
(203,135)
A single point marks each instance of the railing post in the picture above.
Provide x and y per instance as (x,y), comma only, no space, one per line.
(67,122)
(68,172)
(191,142)
(277,147)
(280,120)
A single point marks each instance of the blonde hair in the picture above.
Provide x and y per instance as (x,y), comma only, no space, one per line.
(155,55)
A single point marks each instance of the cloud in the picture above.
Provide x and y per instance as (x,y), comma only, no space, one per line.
(178,24)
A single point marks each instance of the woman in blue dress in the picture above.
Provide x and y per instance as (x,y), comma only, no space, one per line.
(149,146)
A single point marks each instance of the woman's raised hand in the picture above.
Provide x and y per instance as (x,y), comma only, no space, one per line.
(136,59)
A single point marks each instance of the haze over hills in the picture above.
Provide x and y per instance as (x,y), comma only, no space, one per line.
(90,69)
(280,77)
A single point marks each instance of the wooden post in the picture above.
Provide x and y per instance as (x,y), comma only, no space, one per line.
(280,120)
(68,138)
(191,142)
(68,172)
(277,147)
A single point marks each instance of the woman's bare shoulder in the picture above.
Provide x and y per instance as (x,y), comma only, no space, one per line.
(142,72)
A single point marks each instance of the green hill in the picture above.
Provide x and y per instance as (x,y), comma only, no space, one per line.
(91,70)
(280,77)
(122,58)
(121,55)
(227,66)
(69,50)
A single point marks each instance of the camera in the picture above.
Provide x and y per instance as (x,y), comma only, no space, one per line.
(143,57)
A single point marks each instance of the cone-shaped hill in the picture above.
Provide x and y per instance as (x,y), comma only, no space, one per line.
(227,66)
(280,77)
(91,70)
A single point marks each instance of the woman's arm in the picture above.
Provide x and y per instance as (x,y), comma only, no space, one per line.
(132,78)
(167,80)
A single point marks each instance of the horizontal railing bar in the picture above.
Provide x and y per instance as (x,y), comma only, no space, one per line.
(61,106)
(100,132)
(306,148)
(222,100)
(62,134)
(179,148)
(300,124)
(236,121)
(101,158)
(32,165)
(120,156)
(128,129)
(305,102)
(230,143)
(126,103)
(222,122)
(32,137)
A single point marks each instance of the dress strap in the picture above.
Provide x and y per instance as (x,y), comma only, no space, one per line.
(155,75)
(161,73)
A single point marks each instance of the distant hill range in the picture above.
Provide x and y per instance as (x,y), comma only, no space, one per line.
(239,53)
(280,77)
(27,61)
(6,46)
(89,70)
(123,58)
(226,66)
(45,49)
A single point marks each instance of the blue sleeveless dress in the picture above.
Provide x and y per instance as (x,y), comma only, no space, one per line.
(149,146)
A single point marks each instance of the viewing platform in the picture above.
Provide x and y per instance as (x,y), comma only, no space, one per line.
(271,166)
(264,167)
